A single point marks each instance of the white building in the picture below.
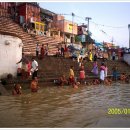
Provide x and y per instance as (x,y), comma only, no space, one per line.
(10,54)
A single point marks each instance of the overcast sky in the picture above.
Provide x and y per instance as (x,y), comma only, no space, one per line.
(109,19)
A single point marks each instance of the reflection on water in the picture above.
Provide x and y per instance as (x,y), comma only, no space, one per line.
(66,107)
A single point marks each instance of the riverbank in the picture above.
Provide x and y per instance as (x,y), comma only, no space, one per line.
(51,68)
(42,85)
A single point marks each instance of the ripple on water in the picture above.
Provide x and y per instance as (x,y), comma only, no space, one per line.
(65,107)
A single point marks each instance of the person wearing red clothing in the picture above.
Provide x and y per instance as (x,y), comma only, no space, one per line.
(82,75)
(66,48)
(42,51)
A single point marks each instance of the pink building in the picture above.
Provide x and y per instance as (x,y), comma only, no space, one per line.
(66,29)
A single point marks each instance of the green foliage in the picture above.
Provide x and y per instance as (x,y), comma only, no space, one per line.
(89,39)
(77,39)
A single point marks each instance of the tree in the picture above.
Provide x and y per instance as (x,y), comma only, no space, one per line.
(88,38)
(77,39)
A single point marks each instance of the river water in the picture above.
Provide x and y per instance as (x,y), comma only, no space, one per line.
(66,107)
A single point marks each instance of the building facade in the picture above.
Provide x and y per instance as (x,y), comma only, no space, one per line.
(29,12)
(66,29)
(40,21)
(5,8)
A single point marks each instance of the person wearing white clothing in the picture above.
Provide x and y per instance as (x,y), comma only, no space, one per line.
(102,72)
(34,68)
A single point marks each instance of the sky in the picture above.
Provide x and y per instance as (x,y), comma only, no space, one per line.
(109,19)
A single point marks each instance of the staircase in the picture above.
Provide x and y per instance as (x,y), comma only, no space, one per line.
(52,43)
(7,25)
(51,68)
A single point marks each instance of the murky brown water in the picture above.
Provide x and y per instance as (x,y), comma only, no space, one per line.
(66,107)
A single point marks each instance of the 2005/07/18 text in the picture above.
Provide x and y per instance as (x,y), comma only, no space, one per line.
(118,111)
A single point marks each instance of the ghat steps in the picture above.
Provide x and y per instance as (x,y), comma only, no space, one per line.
(7,25)
(51,68)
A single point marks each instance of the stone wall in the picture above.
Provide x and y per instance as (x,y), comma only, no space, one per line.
(126,58)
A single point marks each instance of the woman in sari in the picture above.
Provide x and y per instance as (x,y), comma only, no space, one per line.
(95,68)
(90,56)
(82,75)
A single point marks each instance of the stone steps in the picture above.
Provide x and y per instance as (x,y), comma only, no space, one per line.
(29,41)
(55,69)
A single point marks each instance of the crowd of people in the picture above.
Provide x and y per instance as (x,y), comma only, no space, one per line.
(43,51)
(101,73)
(28,68)
(101,76)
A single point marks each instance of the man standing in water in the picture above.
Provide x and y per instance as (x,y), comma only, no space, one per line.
(34,85)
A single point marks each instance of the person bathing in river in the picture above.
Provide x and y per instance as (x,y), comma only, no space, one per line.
(107,81)
(72,78)
(62,81)
(123,77)
(71,75)
(127,80)
(115,73)
(17,89)
(34,85)
(96,82)
(76,85)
